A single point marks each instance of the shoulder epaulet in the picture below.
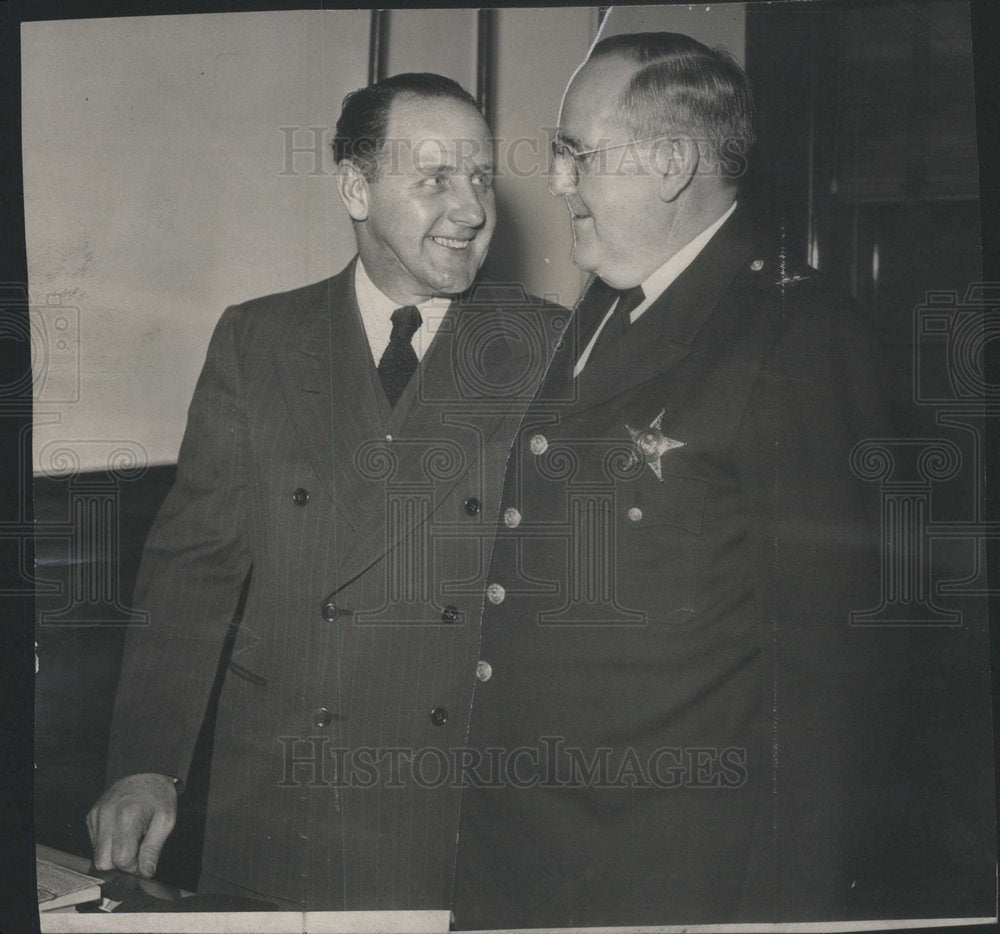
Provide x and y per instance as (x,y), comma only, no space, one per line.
(778,272)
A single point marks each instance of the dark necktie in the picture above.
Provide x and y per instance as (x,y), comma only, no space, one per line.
(399,359)
(628,301)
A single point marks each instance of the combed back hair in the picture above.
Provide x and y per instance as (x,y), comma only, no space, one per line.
(684,86)
(364,115)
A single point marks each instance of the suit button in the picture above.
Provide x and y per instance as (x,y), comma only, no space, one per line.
(495,594)
(322,716)
(472,506)
(300,497)
(449,614)
(511,518)
(538,444)
(484,671)
(439,716)
(635,514)
(330,612)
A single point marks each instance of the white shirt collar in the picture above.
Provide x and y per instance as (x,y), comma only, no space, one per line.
(658,281)
(376,314)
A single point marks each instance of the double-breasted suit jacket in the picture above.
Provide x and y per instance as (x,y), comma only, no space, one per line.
(368,533)
(680,543)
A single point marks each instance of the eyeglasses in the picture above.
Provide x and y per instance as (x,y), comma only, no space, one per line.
(561,152)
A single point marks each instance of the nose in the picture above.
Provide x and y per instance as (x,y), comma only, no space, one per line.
(467,206)
(562,177)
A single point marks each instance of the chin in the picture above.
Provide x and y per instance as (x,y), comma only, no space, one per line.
(607,271)
(582,261)
(466,278)
(453,285)
(579,257)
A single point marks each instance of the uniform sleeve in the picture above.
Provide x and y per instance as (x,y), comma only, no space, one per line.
(194,563)
(814,527)
(820,391)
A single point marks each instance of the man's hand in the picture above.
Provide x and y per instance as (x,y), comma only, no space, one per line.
(131,821)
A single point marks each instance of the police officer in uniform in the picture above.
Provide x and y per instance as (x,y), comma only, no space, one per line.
(668,681)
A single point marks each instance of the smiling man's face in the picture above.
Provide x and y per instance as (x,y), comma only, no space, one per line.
(431,210)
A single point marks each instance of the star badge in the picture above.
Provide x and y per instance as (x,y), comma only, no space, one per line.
(651,444)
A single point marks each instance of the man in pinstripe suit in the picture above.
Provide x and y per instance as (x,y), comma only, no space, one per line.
(346,444)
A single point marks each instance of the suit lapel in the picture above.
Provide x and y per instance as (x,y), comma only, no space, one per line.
(328,390)
(665,332)
(559,384)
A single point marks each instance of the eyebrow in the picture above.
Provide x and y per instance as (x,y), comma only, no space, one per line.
(437,168)
(448,168)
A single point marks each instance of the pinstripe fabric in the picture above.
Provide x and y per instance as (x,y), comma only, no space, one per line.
(289,399)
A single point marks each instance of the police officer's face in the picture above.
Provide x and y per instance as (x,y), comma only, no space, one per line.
(431,211)
(617,216)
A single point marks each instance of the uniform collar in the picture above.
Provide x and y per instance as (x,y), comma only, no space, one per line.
(657,282)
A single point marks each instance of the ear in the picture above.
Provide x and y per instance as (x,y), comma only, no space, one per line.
(353,190)
(681,165)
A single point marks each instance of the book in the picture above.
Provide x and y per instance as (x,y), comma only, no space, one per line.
(59,887)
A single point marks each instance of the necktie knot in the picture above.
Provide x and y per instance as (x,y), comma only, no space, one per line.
(628,301)
(405,322)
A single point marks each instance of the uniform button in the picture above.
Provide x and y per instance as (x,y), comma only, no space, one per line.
(484,671)
(472,506)
(495,594)
(300,497)
(449,614)
(757,265)
(322,716)
(330,612)
(635,513)
(439,716)
(538,444)
(511,517)
(388,438)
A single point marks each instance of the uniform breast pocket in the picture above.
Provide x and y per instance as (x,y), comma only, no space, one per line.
(660,546)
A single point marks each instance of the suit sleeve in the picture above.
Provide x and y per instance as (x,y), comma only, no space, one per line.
(819,393)
(194,563)
(814,527)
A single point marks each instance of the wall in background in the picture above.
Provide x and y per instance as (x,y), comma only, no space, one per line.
(158,191)
(442,41)
(537,52)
